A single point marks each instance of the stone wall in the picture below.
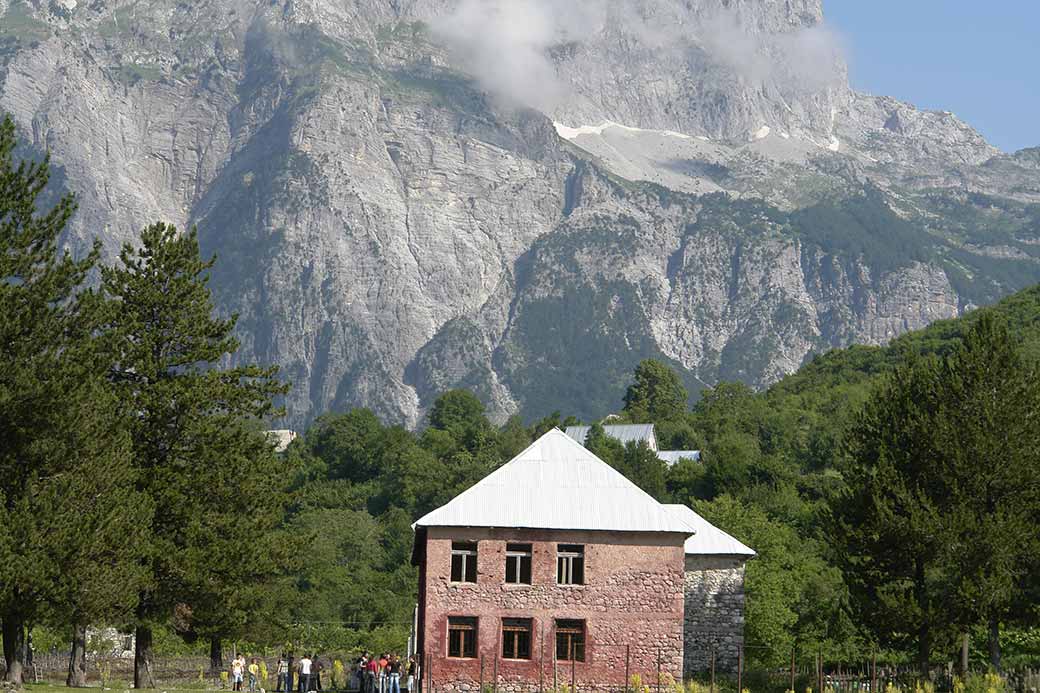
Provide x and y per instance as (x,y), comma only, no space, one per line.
(714,617)
(631,602)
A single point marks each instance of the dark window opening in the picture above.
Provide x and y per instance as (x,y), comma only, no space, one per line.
(518,564)
(463,561)
(516,638)
(462,637)
(570,564)
(570,640)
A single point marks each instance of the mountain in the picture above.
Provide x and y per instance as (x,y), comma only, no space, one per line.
(524,198)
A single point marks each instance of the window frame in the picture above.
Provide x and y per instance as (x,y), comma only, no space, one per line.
(567,556)
(517,626)
(462,625)
(522,554)
(467,552)
(571,627)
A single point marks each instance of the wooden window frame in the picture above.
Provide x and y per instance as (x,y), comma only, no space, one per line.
(573,632)
(466,553)
(458,627)
(519,558)
(511,640)
(567,557)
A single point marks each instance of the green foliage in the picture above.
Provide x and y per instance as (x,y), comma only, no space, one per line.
(69,511)
(656,395)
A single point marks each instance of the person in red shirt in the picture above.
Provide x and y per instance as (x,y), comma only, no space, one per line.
(371,672)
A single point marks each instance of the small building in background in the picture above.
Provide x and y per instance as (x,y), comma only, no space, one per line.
(636,433)
(281,438)
(556,566)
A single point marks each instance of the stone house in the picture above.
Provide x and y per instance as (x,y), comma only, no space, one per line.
(556,566)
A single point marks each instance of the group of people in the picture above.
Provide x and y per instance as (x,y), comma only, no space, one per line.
(239,669)
(383,673)
(307,667)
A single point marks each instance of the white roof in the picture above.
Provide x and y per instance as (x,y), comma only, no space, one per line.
(280,438)
(671,457)
(557,484)
(621,432)
(709,540)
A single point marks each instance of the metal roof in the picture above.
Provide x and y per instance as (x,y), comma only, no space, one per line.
(557,484)
(709,539)
(624,433)
(671,457)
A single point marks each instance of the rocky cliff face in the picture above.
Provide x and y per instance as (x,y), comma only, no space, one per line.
(412,195)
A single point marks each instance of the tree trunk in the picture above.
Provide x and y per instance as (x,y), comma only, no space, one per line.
(13,630)
(216,657)
(143,677)
(994,643)
(965,647)
(78,659)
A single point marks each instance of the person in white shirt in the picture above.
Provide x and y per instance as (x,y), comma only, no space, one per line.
(305,674)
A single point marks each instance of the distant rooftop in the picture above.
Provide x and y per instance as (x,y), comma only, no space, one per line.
(624,433)
(671,457)
(281,437)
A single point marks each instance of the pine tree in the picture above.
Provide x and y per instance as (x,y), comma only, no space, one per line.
(990,473)
(888,525)
(67,505)
(168,353)
(657,394)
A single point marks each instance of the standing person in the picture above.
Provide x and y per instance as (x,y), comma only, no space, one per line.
(384,659)
(371,672)
(254,674)
(411,672)
(291,661)
(305,673)
(283,676)
(393,669)
(238,667)
(317,668)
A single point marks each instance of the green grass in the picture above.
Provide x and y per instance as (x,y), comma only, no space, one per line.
(118,686)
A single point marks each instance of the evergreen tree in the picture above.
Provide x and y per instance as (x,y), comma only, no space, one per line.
(657,394)
(67,506)
(990,473)
(889,523)
(168,352)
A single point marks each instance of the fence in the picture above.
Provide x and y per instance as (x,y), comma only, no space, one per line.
(865,677)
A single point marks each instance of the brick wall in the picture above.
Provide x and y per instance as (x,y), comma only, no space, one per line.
(714,613)
(633,595)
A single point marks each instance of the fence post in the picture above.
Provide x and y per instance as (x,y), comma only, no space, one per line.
(713,668)
(740,669)
(658,670)
(481,689)
(873,672)
(574,658)
(792,670)
(494,685)
(555,684)
(627,679)
(819,672)
(541,662)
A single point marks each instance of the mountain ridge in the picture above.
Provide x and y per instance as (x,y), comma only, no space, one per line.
(389,226)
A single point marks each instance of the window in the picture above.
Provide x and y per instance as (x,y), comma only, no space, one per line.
(570,564)
(518,564)
(570,640)
(463,561)
(516,638)
(462,637)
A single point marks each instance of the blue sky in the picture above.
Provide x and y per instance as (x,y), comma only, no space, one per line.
(977,58)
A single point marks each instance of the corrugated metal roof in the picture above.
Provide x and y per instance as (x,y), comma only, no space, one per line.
(557,484)
(670,457)
(709,539)
(623,432)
